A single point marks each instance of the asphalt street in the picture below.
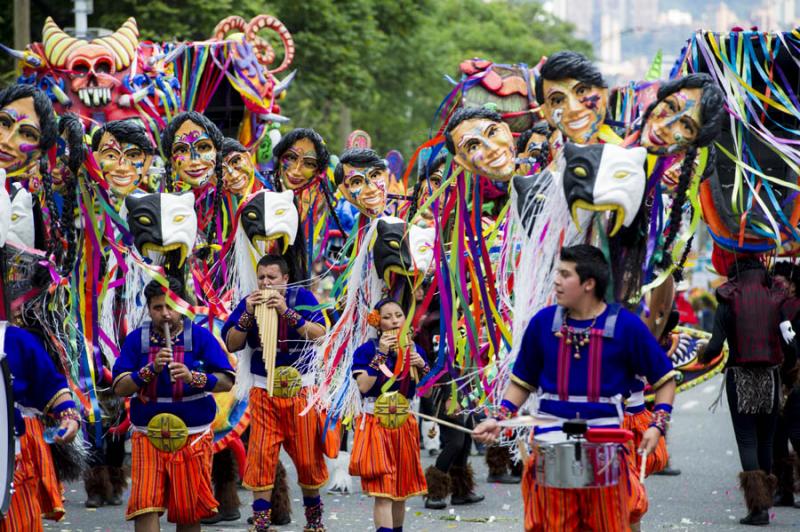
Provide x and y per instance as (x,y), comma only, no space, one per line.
(704,497)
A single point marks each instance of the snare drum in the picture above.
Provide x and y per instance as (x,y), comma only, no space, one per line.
(578,464)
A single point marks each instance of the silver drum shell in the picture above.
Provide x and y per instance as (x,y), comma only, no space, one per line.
(597,465)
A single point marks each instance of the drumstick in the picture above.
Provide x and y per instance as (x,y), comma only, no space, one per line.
(442,422)
(641,469)
(168,338)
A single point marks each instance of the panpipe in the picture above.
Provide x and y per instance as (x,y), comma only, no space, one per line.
(267,320)
(404,345)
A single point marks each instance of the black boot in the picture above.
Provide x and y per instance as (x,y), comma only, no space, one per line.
(97,485)
(757,488)
(757,518)
(463,481)
(784,471)
(438,488)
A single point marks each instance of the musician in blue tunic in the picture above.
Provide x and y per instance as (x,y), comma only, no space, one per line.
(171,378)
(38,388)
(579,357)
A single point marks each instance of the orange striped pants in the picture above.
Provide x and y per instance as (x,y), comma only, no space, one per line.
(37,491)
(276,421)
(388,460)
(577,510)
(178,482)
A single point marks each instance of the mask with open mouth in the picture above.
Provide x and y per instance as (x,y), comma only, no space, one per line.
(529,197)
(270,217)
(162,224)
(604,177)
(390,250)
(421,241)
(22,230)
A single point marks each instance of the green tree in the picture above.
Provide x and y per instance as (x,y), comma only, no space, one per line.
(377,65)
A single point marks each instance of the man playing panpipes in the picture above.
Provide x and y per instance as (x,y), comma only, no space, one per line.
(171,412)
(276,419)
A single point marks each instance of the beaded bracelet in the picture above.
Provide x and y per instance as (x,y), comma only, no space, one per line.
(245,322)
(293,318)
(68,413)
(378,360)
(660,421)
(147,373)
(507,410)
(199,380)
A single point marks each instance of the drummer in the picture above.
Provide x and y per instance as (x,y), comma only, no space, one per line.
(386,451)
(172,378)
(579,357)
(276,420)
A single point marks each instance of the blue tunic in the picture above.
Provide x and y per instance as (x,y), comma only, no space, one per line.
(290,344)
(36,381)
(631,351)
(196,407)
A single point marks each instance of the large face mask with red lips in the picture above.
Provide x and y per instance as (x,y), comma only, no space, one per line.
(298,164)
(485,147)
(575,108)
(365,188)
(194,156)
(674,123)
(20,135)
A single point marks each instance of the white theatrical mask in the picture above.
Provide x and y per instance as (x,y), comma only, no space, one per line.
(621,181)
(421,241)
(269,217)
(5,209)
(22,229)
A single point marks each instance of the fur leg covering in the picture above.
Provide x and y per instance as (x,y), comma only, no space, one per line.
(118,478)
(223,475)
(463,480)
(281,503)
(438,483)
(498,460)
(757,489)
(341,481)
(96,482)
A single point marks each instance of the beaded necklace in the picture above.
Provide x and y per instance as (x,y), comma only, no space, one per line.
(574,336)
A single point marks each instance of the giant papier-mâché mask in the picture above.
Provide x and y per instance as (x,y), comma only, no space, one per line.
(484,147)
(270,217)
(162,225)
(604,177)
(390,250)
